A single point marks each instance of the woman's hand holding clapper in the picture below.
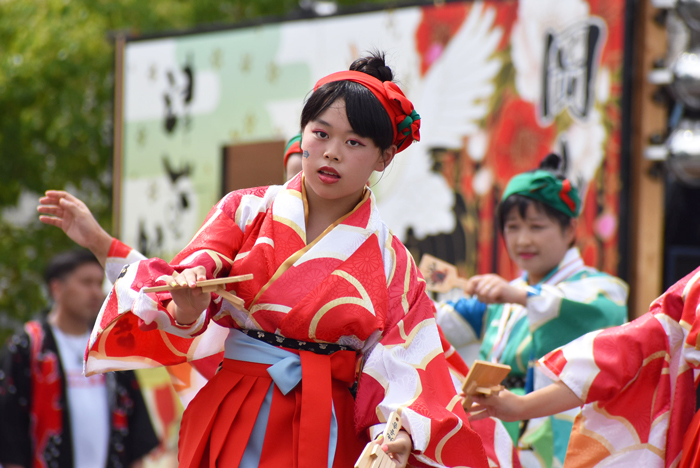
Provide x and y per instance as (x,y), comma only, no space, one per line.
(391,449)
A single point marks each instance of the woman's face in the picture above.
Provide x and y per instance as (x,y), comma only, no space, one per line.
(536,243)
(337,162)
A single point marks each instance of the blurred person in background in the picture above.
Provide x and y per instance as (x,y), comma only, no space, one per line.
(52,415)
(292,157)
(557,299)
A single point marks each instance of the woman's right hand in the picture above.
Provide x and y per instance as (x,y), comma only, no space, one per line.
(400,449)
(503,405)
(507,406)
(63,210)
(188,302)
(493,289)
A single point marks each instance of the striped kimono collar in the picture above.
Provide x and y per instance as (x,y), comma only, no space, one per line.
(571,265)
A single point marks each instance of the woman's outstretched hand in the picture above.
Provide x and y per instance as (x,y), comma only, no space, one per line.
(503,405)
(69,213)
(507,406)
(493,289)
(400,449)
(189,302)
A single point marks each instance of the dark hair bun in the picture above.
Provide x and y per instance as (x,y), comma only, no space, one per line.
(554,164)
(374,65)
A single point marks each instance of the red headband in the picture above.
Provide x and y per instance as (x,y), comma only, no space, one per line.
(401,112)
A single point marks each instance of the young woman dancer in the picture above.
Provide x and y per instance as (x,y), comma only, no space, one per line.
(335,301)
(556,300)
(65,211)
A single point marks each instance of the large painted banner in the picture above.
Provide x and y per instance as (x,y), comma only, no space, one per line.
(499,84)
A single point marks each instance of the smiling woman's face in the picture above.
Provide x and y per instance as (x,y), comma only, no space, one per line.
(536,242)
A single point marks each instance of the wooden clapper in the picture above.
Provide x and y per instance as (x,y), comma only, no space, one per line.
(373,456)
(217,286)
(439,275)
(484,378)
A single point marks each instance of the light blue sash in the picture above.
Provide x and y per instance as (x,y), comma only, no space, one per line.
(285,370)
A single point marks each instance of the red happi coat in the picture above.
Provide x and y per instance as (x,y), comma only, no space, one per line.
(638,381)
(356,285)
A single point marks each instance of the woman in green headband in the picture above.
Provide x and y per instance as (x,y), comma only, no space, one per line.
(556,300)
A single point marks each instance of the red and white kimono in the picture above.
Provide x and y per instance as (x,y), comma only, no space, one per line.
(638,381)
(189,377)
(355,289)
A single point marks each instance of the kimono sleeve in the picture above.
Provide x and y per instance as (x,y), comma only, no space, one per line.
(561,313)
(119,256)
(600,365)
(461,320)
(213,247)
(131,322)
(406,371)
(690,319)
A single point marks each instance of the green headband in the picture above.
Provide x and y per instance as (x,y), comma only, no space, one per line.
(295,139)
(293,147)
(545,187)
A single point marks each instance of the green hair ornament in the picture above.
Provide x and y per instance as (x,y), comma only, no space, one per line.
(545,187)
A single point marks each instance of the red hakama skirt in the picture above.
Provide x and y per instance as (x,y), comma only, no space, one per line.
(218,423)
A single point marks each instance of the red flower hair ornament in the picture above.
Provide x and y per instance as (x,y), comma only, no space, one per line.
(400,110)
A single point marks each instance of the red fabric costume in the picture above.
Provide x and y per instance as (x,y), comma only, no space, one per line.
(354,289)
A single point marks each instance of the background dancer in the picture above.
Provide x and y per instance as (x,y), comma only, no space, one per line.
(556,300)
